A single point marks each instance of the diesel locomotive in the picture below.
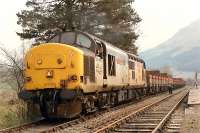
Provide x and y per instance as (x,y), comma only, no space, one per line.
(76,72)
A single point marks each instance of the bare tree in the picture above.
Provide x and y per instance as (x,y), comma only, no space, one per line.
(12,72)
(12,65)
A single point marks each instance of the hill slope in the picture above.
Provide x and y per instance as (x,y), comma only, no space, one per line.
(181,52)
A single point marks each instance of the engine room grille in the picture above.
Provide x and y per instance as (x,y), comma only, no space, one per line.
(89,68)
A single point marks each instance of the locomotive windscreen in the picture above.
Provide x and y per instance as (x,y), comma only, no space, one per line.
(72,38)
(67,37)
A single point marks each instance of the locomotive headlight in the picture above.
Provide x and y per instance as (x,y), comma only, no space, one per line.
(28,79)
(59,61)
(49,74)
(39,61)
(74,78)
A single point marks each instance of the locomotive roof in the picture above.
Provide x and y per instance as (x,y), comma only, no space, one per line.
(135,57)
(109,44)
(106,43)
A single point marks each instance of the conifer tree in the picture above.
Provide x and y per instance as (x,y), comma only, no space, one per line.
(112,20)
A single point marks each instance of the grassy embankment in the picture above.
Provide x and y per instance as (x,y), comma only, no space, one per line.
(10,107)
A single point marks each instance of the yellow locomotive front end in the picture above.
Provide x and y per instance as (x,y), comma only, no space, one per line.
(53,80)
(55,66)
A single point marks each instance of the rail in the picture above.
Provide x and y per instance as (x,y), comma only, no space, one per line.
(137,112)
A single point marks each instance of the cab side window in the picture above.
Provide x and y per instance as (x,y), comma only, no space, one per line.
(99,50)
(131,65)
(143,74)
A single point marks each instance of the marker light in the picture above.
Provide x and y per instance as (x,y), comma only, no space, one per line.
(39,61)
(49,74)
(28,79)
(74,78)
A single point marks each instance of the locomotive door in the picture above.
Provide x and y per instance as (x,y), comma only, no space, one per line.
(104,65)
(99,64)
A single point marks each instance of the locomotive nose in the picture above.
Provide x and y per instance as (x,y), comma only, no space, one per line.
(53,66)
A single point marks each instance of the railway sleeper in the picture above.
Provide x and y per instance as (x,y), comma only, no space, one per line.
(139,125)
(132,130)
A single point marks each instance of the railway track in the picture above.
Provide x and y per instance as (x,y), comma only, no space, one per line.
(42,126)
(99,123)
(81,124)
(151,118)
(174,123)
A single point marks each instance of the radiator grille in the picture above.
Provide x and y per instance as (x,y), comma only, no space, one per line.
(89,68)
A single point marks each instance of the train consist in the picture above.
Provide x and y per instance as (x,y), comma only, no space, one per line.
(157,81)
(76,72)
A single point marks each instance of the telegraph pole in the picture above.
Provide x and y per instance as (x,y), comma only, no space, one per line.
(196,80)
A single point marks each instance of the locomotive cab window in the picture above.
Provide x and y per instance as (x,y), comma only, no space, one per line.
(84,41)
(143,74)
(99,49)
(111,65)
(67,38)
(144,65)
(72,38)
(133,74)
(131,65)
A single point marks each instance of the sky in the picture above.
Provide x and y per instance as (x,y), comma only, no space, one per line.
(160,20)
(8,23)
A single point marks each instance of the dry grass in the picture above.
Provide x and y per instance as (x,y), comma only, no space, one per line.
(10,109)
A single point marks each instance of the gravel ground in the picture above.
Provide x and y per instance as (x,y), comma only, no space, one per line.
(192,120)
(192,116)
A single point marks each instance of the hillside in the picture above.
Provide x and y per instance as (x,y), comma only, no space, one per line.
(181,51)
